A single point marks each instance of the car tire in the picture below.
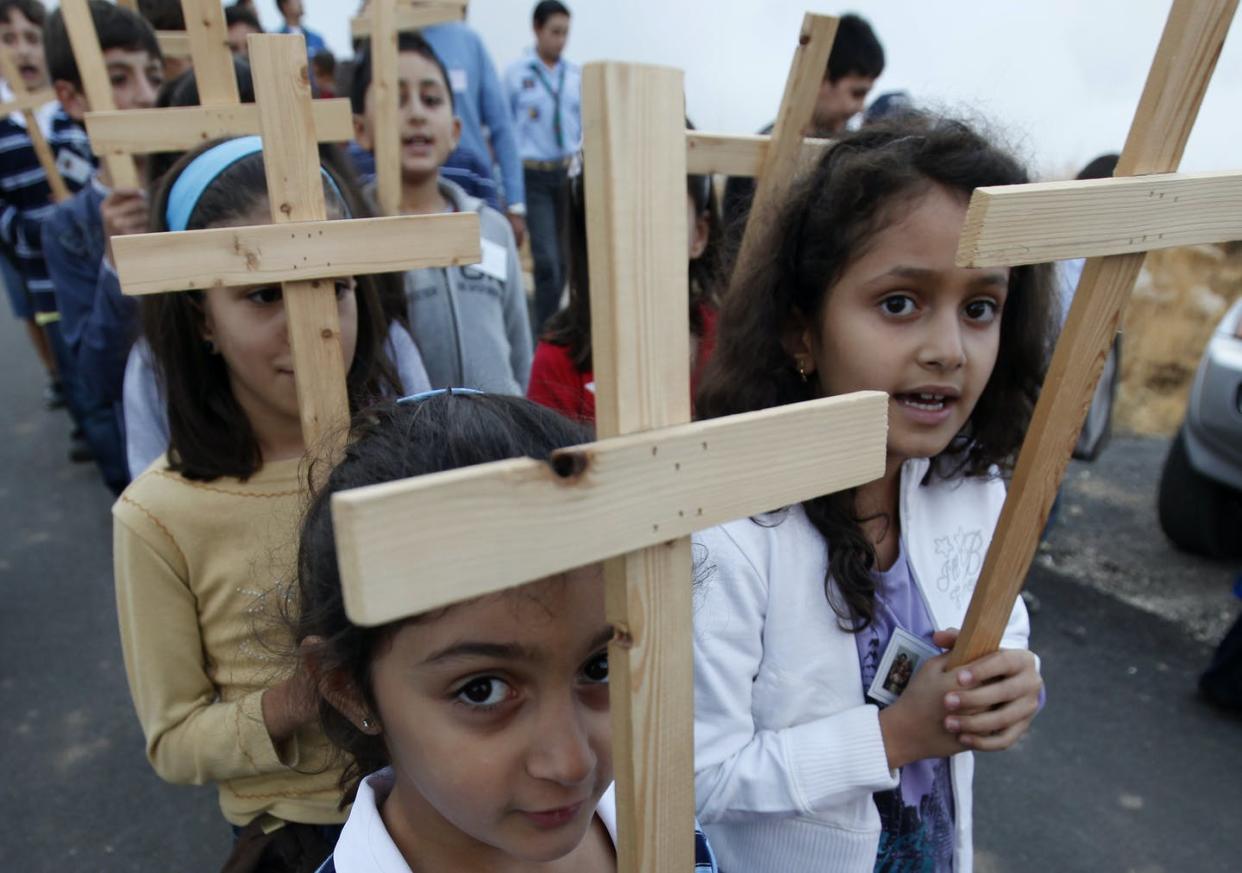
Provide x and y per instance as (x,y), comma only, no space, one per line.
(1200,515)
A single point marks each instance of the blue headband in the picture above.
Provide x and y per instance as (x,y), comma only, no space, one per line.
(207,167)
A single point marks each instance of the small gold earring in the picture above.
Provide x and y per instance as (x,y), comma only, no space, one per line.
(366,724)
(802,371)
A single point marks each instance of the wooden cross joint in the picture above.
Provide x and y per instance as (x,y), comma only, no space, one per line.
(1113,223)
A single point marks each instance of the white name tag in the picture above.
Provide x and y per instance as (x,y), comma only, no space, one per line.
(74,167)
(458,80)
(495,260)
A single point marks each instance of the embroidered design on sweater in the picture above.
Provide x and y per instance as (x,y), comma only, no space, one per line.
(963,559)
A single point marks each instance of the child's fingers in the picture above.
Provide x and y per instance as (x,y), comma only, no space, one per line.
(993,720)
(998,741)
(994,693)
(1006,662)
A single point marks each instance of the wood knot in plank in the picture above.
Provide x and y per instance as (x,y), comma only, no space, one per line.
(326,333)
(622,637)
(569,465)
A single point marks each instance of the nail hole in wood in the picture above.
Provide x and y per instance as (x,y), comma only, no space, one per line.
(569,465)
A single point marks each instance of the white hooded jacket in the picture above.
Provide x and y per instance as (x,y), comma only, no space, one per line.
(787,751)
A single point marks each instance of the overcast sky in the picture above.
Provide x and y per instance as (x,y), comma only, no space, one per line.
(1060,77)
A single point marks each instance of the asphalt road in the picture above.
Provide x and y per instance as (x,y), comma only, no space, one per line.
(1124,771)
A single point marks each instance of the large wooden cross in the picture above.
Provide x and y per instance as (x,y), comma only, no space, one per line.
(633,497)
(1112,223)
(220,113)
(300,249)
(384,21)
(26,102)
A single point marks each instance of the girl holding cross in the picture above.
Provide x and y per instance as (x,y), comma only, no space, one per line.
(203,540)
(798,764)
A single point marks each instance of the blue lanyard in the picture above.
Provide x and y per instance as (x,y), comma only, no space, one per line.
(536,67)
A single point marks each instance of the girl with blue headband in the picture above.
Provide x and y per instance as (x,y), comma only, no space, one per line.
(204,540)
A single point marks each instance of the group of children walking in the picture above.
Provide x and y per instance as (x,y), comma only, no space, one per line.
(477,737)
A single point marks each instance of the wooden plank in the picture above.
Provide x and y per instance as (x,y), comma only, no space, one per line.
(386,97)
(26,102)
(1179,76)
(797,108)
(80,26)
(174,43)
(156,263)
(144,131)
(295,190)
(482,529)
(709,153)
(208,36)
(413,16)
(1052,221)
(634,176)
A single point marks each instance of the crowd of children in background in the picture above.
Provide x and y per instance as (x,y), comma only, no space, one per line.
(478,736)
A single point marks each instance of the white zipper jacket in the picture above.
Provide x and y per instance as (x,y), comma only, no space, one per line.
(787,751)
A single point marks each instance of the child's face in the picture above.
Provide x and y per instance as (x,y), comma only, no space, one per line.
(429,131)
(23,39)
(496,718)
(135,77)
(906,320)
(840,101)
(248,326)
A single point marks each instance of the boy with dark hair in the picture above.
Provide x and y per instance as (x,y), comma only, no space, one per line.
(470,323)
(855,62)
(545,100)
(25,202)
(292,11)
(463,167)
(24,191)
(135,68)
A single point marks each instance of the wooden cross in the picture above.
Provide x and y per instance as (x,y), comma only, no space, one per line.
(220,113)
(1112,223)
(80,27)
(775,159)
(300,249)
(385,20)
(26,102)
(633,497)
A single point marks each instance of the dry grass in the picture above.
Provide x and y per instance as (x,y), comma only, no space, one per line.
(1180,296)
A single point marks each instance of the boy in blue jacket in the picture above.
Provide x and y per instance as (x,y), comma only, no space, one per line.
(97,323)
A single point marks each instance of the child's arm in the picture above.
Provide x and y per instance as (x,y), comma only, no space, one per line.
(192,736)
(741,771)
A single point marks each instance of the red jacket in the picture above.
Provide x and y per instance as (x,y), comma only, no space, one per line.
(556,383)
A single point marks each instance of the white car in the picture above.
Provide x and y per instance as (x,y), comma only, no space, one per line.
(1200,503)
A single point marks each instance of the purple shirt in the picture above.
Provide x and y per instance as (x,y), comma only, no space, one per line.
(917,816)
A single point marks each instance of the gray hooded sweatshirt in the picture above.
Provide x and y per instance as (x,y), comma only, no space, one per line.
(471,323)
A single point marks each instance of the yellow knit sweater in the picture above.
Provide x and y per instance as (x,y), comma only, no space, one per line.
(201,572)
